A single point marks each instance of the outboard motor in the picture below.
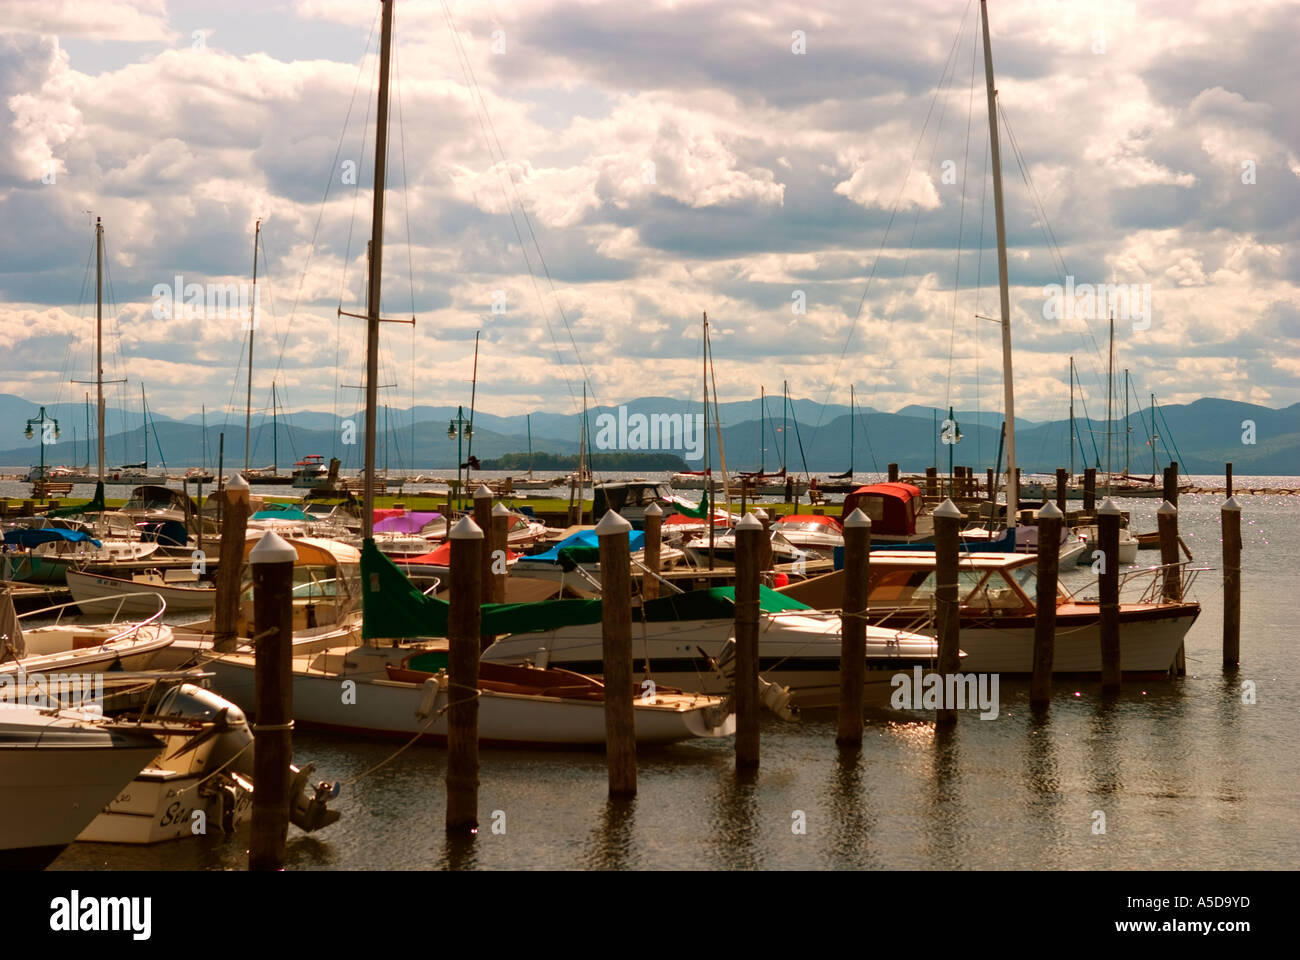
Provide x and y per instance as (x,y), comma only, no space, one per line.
(234,737)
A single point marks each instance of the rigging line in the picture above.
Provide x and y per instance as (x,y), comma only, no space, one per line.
(961,218)
(116,356)
(64,371)
(848,339)
(410,256)
(559,307)
(1168,438)
(866,435)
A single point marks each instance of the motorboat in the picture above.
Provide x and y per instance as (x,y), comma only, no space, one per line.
(182,589)
(811,532)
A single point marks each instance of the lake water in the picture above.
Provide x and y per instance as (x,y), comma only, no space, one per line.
(1185,773)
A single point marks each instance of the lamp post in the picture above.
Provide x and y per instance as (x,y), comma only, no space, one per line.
(47,436)
(459,429)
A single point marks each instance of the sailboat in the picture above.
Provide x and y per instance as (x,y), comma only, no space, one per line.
(270,475)
(400,685)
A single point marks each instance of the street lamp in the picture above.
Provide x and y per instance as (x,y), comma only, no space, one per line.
(459,428)
(47,436)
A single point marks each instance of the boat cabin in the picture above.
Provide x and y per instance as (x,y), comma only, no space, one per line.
(630,498)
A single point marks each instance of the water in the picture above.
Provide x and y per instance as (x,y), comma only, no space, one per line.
(1186,775)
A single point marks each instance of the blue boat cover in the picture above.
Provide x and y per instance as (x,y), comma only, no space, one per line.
(34,538)
(588,539)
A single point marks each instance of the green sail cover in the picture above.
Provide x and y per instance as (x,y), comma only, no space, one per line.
(392,607)
(96,505)
(698,512)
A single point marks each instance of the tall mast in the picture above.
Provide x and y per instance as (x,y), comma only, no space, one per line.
(530,445)
(1110,385)
(99,341)
(1009,399)
(852,430)
(1072,419)
(144,414)
(762,427)
(785,424)
(1127,426)
(708,471)
(376,272)
(1155,435)
(88,432)
(275,435)
(252,328)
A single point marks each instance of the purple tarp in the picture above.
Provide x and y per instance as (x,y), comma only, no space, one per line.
(411,522)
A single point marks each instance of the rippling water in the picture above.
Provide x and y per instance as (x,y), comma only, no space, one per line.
(1186,775)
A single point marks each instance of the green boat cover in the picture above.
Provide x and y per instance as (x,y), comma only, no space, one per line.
(698,512)
(392,607)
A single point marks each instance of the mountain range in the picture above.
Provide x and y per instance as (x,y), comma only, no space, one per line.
(1201,435)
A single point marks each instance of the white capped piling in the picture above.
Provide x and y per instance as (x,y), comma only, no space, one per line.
(234,529)
(654,519)
(272,563)
(750,538)
(947,619)
(1108,517)
(498,551)
(1049,562)
(1230,521)
(464,623)
(612,533)
(853,628)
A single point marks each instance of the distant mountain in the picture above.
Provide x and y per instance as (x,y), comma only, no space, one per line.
(1201,436)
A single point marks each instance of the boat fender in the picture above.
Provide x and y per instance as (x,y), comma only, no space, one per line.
(429,696)
(307,806)
(776,698)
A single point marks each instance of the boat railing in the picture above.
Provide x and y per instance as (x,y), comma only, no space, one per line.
(646,570)
(1147,583)
(133,627)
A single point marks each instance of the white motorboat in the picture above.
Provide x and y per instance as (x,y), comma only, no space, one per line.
(59,769)
(1128,545)
(67,646)
(997,605)
(811,532)
(183,590)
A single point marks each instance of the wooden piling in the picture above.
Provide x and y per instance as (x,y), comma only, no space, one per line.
(464,624)
(616,639)
(765,552)
(853,628)
(654,519)
(234,528)
(750,537)
(1049,561)
(1227,479)
(931,481)
(988,481)
(1230,519)
(272,563)
(1108,517)
(1062,488)
(1090,491)
(498,549)
(947,622)
(893,473)
(1167,523)
(483,520)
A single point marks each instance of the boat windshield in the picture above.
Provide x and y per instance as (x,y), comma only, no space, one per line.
(805,526)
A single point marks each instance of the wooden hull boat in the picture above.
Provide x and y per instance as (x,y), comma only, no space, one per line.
(520,707)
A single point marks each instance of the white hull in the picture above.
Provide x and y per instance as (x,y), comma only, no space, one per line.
(388,708)
(180,599)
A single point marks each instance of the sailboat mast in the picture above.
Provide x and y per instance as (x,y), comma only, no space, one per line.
(376,272)
(1072,419)
(530,445)
(762,427)
(1110,389)
(1155,435)
(252,331)
(87,432)
(1127,427)
(785,424)
(708,471)
(1004,294)
(144,414)
(853,428)
(275,435)
(99,341)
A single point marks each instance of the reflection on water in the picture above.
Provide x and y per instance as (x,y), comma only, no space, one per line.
(1186,774)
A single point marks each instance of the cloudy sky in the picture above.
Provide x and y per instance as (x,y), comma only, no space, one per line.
(578,181)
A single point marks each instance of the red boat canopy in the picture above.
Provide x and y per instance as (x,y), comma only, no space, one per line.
(440,556)
(892,507)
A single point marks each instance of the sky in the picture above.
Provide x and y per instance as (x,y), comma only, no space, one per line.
(577,182)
